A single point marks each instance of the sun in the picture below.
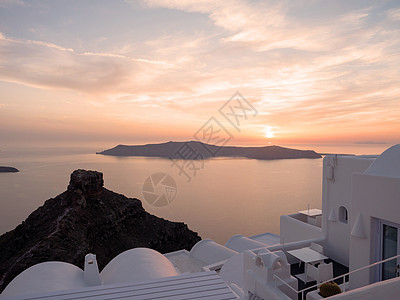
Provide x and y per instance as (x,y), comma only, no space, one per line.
(269,133)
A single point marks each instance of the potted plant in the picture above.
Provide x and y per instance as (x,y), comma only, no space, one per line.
(328,289)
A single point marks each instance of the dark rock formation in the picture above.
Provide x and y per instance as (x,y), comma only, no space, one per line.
(197,150)
(8,170)
(87,218)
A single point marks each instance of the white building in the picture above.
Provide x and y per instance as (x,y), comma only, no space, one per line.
(356,233)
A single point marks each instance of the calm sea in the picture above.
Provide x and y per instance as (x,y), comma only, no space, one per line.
(225,197)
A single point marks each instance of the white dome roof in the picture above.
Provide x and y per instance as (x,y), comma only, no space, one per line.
(387,164)
(45,277)
(136,265)
(241,243)
(211,252)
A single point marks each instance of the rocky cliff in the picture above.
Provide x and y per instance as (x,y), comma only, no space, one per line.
(87,218)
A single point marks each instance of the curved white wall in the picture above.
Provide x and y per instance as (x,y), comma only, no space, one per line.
(232,270)
(387,164)
(242,243)
(135,265)
(388,289)
(45,277)
(337,193)
(210,252)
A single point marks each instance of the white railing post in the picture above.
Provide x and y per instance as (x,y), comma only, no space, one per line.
(344,283)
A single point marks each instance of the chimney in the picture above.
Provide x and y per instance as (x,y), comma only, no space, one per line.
(91,270)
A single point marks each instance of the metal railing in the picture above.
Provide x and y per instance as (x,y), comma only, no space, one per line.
(335,278)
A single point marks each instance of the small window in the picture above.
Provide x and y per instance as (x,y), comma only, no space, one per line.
(343,215)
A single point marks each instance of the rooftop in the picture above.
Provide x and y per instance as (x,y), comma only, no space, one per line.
(204,285)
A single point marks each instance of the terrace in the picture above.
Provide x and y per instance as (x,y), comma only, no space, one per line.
(304,225)
(297,269)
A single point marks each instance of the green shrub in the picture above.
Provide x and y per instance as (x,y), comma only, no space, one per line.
(328,289)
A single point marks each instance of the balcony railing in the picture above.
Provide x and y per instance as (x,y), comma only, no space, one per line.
(343,276)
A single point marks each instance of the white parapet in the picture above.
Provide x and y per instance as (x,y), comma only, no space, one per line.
(260,269)
(296,227)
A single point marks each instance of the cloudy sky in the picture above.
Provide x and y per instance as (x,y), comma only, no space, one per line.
(316,71)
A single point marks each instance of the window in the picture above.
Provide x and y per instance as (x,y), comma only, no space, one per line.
(343,215)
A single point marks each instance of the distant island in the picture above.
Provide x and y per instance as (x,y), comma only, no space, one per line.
(8,170)
(198,150)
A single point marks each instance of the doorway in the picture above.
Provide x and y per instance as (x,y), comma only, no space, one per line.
(389,246)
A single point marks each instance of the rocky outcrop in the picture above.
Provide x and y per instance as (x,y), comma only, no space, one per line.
(87,218)
(8,170)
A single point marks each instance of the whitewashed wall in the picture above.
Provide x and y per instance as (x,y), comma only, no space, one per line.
(337,192)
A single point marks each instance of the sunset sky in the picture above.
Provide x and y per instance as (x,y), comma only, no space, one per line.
(110,72)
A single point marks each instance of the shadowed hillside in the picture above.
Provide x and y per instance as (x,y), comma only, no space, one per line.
(87,218)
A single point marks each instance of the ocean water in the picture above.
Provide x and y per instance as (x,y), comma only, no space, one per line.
(224,197)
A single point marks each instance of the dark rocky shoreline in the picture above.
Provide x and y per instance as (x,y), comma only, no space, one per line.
(87,218)
(8,170)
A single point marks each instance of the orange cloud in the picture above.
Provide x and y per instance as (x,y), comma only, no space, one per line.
(313,73)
